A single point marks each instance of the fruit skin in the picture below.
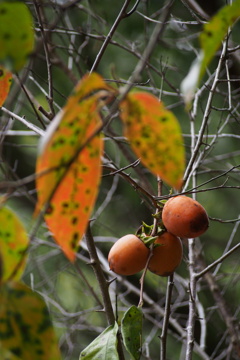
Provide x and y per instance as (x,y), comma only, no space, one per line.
(184,217)
(166,257)
(128,255)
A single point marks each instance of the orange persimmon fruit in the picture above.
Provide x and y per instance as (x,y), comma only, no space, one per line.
(128,255)
(167,256)
(184,217)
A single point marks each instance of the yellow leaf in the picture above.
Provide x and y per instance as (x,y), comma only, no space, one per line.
(13,244)
(25,327)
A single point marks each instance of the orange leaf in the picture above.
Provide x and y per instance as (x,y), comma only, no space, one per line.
(155,136)
(70,161)
(13,244)
(72,203)
(5,83)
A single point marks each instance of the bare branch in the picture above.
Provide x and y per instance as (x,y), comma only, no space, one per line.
(28,124)
(163,352)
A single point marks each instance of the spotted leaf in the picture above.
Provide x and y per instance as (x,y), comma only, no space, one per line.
(16,34)
(155,136)
(104,347)
(70,157)
(13,244)
(5,83)
(215,30)
(7,355)
(210,39)
(26,330)
(131,326)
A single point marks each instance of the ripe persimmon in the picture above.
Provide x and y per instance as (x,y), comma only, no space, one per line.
(184,217)
(167,256)
(128,255)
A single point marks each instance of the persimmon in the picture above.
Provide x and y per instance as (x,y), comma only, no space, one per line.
(128,255)
(184,217)
(167,255)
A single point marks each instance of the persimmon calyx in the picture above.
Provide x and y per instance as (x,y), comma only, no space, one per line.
(157,215)
(148,240)
(161,203)
(148,235)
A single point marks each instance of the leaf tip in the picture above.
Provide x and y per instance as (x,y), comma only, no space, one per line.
(190,82)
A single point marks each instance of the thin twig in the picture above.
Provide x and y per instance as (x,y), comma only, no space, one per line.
(153,40)
(39,13)
(114,172)
(141,281)
(222,305)
(144,181)
(192,302)
(24,121)
(193,163)
(81,273)
(163,350)
(121,15)
(218,261)
(195,8)
(134,184)
(30,101)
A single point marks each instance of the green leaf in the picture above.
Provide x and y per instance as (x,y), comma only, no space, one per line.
(214,32)
(16,34)
(132,331)
(104,347)
(155,136)
(210,39)
(25,328)
(13,244)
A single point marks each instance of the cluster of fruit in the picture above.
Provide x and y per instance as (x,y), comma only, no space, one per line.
(182,217)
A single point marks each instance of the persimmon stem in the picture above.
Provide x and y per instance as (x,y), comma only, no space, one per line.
(163,348)
(140,304)
(153,233)
(167,312)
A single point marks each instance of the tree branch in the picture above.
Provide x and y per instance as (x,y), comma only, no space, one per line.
(103,284)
